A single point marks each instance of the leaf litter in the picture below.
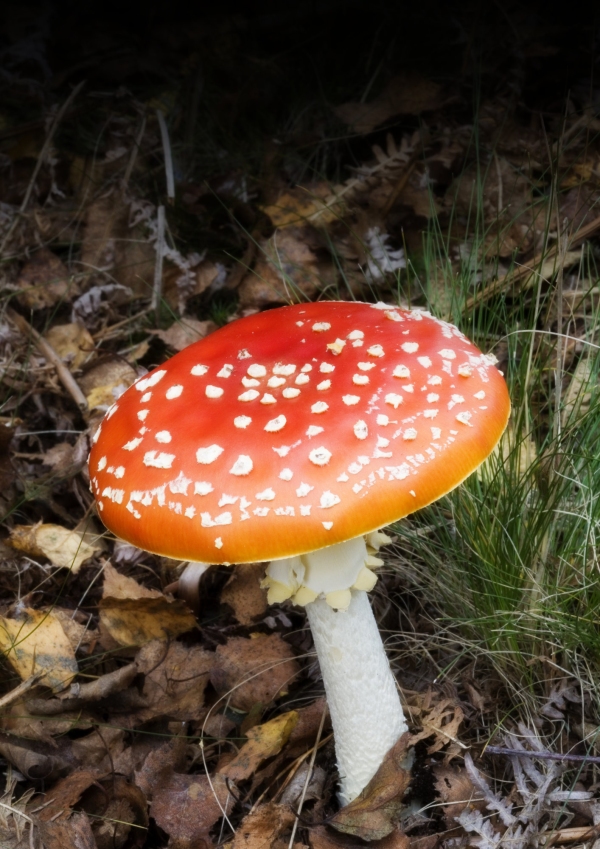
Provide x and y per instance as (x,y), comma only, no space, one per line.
(127,718)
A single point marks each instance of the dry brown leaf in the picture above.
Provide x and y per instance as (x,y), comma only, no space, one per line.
(374,813)
(117,585)
(405,94)
(103,382)
(76,833)
(67,791)
(252,671)
(261,828)
(64,548)
(133,622)
(242,592)
(442,721)
(80,636)
(175,679)
(43,281)
(184,332)
(35,643)
(298,206)
(264,741)
(187,806)
(72,342)
(456,791)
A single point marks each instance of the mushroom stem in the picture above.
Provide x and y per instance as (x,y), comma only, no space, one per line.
(363,700)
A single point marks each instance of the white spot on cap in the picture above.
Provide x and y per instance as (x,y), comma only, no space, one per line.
(480,395)
(286,474)
(313,430)
(365,366)
(179,486)
(320,456)
(303,490)
(202,488)
(393,316)
(465,370)
(329,499)
(447,353)
(430,414)
(159,460)
(436,432)
(163,436)
(142,414)
(360,379)
(398,473)
(275,382)
(401,371)
(290,392)
(319,407)
(218,542)
(432,397)
(283,450)
(174,391)
(382,442)
(361,431)
(323,385)
(102,463)
(242,421)
(249,382)
(356,334)
(267,398)
(464,418)
(214,391)
(266,495)
(410,347)
(343,478)
(147,382)
(336,347)
(326,368)
(350,400)
(133,443)
(376,351)
(190,512)
(409,434)
(302,379)
(305,509)
(256,370)
(242,466)
(261,511)
(383,420)
(244,354)
(412,492)
(327,525)
(321,326)
(275,424)
(209,454)
(249,395)
(225,371)
(424,361)
(456,399)
(308,367)
(393,399)
(299,323)
(285,370)
(199,370)
(146,397)
(434,380)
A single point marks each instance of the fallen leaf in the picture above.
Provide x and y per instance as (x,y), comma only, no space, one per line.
(67,791)
(261,828)
(76,833)
(264,741)
(187,806)
(103,382)
(72,342)
(43,281)
(298,206)
(175,679)
(256,670)
(243,593)
(64,548)
(374,813)
(117,585)
(133,622)
(456,791)
(35,643)
(408,93)
(184,332)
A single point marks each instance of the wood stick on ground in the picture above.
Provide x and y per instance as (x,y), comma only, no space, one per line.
(40,161)
(23,687)
(544,756)
(500,285)
(570,835)
(65,376)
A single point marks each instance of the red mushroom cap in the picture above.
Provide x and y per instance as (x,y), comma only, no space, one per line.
(295,429)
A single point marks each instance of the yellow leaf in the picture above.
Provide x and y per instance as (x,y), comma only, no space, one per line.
(264,741)
(135,621)
(36,643)
(61,546)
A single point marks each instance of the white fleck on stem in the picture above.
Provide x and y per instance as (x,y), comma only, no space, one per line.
(361,691)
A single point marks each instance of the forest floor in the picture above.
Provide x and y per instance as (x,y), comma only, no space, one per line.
(162,176)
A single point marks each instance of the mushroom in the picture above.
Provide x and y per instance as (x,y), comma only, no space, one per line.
(293,436)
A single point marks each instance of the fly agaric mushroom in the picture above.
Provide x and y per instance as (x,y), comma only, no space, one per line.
(293,436)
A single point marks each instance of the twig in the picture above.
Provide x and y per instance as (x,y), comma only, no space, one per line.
(65,376)
(166,143)
(40,161)
(502,283)
(160,252)
(545,756)
(134,152)
(23,687)
(570,835)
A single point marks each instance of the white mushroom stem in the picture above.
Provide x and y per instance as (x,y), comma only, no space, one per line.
(363,700)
